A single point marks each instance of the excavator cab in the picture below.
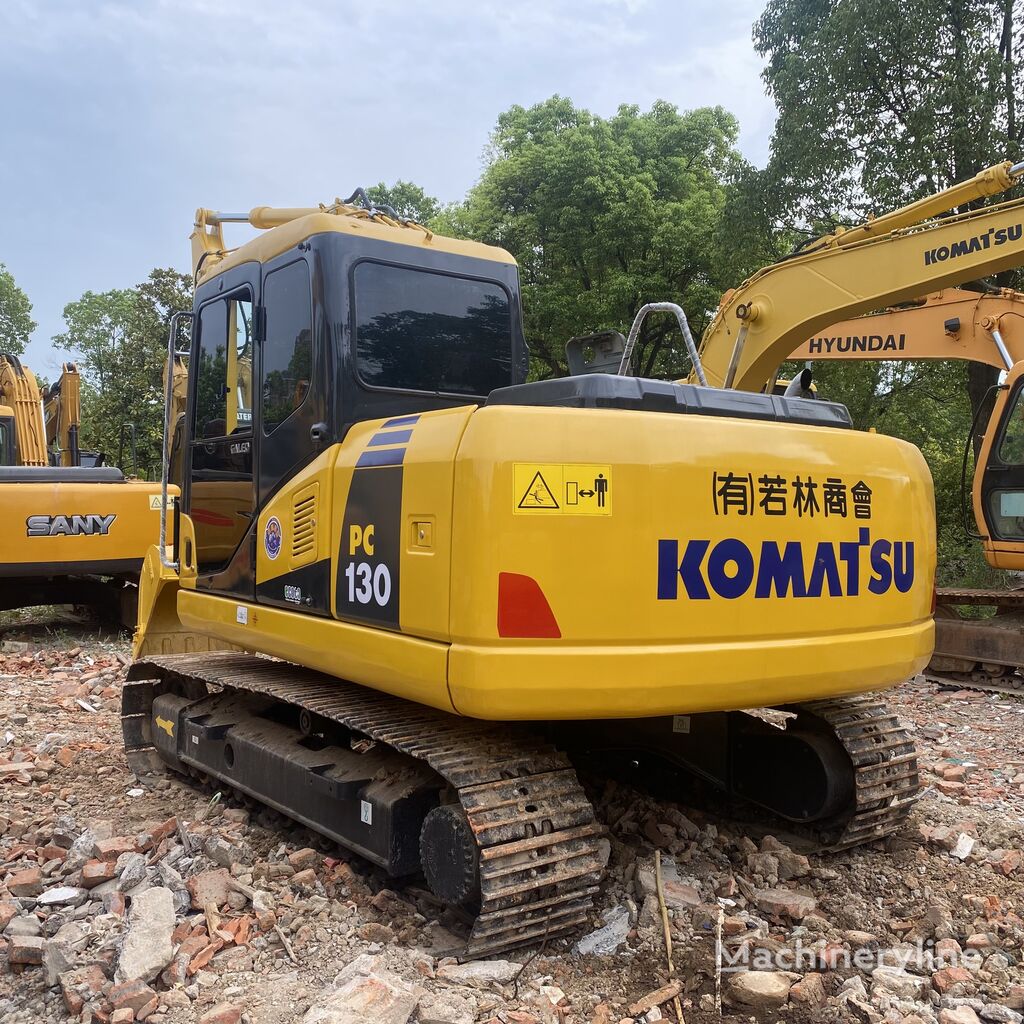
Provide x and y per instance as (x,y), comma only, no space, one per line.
(998,490)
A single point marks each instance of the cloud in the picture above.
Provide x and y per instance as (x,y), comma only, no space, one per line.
(124,116)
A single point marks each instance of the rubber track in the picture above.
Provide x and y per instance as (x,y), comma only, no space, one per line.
(542,851)
(968,595)
(887,779)
(978,680)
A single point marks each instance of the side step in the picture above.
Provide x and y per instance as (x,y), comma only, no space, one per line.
(540,851)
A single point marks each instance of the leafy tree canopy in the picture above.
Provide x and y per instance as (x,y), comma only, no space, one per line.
(16,323)
(409,201)
(606,214)
(119,339)
(881,103)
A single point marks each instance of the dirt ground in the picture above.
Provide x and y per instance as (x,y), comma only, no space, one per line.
(120,902)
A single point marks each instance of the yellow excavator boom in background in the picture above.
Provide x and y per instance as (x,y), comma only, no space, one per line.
(62,413)
(21,414)
(955,323)
(888,260)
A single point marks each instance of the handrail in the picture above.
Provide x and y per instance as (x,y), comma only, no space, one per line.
(172,354)
(634,332)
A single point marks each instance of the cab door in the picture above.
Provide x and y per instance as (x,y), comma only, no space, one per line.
(998,491)
(291,569)
(220,485)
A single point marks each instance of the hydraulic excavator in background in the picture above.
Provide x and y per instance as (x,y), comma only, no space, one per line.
(984,327)
(76,532)
(437,577)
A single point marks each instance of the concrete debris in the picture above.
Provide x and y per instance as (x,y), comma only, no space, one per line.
(225,915)
(608,938)
(762,990)
(480,973)
(366,999)
(147,948)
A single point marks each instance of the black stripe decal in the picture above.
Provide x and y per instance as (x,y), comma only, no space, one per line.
(390,437)
(384,457)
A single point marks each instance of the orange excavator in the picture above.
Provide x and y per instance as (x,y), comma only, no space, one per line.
(984,327)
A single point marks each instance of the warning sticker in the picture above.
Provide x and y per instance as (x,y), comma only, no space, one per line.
(561,489)
(156,502)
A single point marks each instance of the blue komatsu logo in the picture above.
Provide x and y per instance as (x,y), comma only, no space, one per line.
(730,569)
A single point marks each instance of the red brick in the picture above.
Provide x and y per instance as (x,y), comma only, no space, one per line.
(201,959)
(25,883)
(304,879)
(192,945)
(96,871)
(115,904)
(305,858)
(111,849)
(65,757)
(86,983)
(949,977)
(209,887)
(26,949)
(156,834)
(123,1016)
(46,853)
(1008,863)
(134,994)
(222,1013)
(7,912)
(150,1008)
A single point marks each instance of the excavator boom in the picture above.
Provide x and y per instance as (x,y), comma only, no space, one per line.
(889,260)
(62,411)
(981,327)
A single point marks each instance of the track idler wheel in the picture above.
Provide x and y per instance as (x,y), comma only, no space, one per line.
(450,856)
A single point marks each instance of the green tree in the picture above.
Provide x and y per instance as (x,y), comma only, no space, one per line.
(16,323)
(881,103)
(604,215)
(119,339)
(409,201)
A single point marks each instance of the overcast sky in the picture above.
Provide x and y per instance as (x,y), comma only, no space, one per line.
(120,117)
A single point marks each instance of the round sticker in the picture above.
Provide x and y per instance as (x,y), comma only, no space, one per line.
(272,537)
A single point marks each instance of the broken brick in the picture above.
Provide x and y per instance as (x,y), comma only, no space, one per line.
(111,849)
(25,883)
(134,994)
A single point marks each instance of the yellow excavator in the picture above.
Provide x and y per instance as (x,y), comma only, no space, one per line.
(405,581)
(76,531)
(984,327)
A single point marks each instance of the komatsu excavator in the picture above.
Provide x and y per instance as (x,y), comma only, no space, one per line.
(984,327)
(405,580)
(75,532)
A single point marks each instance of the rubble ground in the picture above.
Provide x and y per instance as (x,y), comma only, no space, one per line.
(177,905)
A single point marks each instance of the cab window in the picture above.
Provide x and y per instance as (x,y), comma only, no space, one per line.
(288,348)
(1011,445)
(221,494)
(223,401)
(417,330)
